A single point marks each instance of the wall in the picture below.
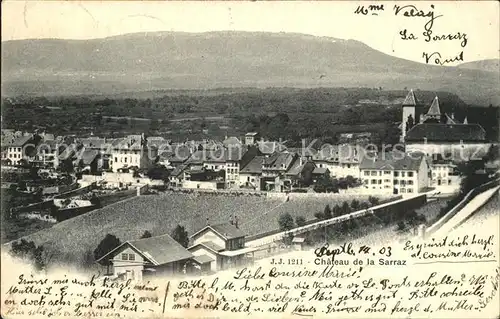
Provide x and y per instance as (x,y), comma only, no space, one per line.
(200,185)
(64,214)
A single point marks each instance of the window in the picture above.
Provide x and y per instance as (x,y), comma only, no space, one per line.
(409,182)
(396,182)
(410,174)
(380,181)
(374,173)
(402,190)
(387,180)
(367,173)
(348,165)
(449,182)
(131,257)
(374,181)
(410,190)
(387,172)
(124,256)
(396,174)
(402,174)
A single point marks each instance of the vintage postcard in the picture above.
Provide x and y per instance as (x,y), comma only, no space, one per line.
(253,159)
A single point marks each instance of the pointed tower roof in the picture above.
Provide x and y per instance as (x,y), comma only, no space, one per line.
(434,109)
(410,99)
(465,121)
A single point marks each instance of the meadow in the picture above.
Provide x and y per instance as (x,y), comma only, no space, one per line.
(70,240)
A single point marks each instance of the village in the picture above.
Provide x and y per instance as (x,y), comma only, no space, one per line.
(75,173)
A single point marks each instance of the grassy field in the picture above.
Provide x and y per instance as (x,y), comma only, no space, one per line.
(69,240)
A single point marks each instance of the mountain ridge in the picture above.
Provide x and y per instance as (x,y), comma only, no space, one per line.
(180,60)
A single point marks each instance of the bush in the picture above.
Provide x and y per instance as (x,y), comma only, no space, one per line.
(181,236)
(373,200)
(28,250)
(300,221)
(146,234)
(286,222)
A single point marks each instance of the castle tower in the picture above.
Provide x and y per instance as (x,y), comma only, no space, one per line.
(434,112)
(409,113)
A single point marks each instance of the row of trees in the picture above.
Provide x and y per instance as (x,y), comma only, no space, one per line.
(286,221)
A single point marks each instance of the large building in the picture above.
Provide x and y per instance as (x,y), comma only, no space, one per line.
(395,173)
(131,152)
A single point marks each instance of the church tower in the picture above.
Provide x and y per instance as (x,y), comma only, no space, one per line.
(409,114)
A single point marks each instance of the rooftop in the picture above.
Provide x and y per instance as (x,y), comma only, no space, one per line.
(446,132)
(393,161)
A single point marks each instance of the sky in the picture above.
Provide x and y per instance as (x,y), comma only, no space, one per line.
(478,20)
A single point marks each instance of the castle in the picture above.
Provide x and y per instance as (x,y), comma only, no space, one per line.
(439,134)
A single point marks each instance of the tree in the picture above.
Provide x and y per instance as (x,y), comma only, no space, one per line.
(28,250)
(180,235)
(373,200)
(345,209)
(286,221)
(336,211)
(106,245)
(300,221)
(355,205)
(327,212)
(146,234)
(401,226)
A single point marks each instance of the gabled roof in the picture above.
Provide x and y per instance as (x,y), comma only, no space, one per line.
(251,134)
(270,147)
(225,230)
(446,133)
(254,166)
(231,141)
(393,161)
(410,99)
(277,160)
(208,245)
(158,250)
(20,141)
(434,109)
(88,156)
(203,259)
(178,170)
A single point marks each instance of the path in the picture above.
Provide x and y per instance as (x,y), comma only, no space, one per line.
(467,211)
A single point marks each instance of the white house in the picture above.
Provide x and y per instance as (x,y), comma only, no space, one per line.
(395,173)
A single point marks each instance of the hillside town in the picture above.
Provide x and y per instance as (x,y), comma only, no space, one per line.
(427,156)
(72,175)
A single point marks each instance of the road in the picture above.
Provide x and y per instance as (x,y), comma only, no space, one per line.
(467,211)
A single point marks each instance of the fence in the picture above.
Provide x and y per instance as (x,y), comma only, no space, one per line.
(470,195)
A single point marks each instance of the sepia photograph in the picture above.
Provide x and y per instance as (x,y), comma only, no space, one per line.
(257,159)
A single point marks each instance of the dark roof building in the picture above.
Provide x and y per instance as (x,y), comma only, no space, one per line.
(157,250)
(435,132)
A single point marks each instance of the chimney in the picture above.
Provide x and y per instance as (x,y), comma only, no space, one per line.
(236,221)
(231,220)
(208,223)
